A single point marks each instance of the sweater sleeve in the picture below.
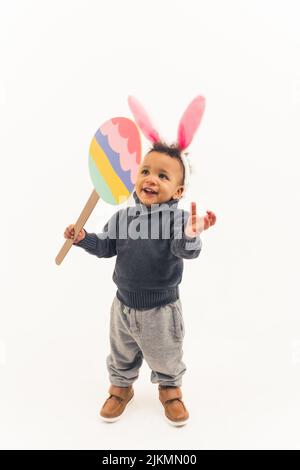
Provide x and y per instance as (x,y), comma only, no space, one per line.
(102,245)
(183,246)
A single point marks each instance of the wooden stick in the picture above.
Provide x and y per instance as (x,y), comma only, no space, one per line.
(81,221)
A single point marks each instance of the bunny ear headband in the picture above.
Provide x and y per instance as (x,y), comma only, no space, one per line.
(187,127)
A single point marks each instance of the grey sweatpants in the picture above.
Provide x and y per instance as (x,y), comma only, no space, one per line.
(155,334)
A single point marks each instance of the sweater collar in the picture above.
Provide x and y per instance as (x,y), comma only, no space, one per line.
(155,207)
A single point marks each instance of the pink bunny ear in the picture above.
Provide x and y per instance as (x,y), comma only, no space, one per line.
(190,121)
(142,119)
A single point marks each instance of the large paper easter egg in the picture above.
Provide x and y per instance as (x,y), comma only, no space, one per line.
(114,157)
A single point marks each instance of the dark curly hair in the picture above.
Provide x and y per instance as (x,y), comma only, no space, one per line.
(172,150)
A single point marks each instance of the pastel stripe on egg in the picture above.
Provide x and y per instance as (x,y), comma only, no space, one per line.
(100,184)
(107,173)
(114,159)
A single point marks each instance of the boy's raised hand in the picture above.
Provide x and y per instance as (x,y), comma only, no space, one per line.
(196,224)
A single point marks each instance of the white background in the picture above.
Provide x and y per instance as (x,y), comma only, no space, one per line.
(66,67)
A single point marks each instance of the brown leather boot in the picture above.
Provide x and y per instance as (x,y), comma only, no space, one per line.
(175,411)
(116,403)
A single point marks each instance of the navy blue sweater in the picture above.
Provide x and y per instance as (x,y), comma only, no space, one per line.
(150,244)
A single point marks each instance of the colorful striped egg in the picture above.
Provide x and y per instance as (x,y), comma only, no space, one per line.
(114,158)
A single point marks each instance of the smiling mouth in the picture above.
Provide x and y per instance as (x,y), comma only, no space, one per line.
(149,192)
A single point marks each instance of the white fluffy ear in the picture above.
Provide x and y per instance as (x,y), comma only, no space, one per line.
(190,121)
(142,119)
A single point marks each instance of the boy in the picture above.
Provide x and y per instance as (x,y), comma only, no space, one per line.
(146,315)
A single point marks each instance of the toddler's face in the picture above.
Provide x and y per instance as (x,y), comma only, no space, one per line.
(159,179)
